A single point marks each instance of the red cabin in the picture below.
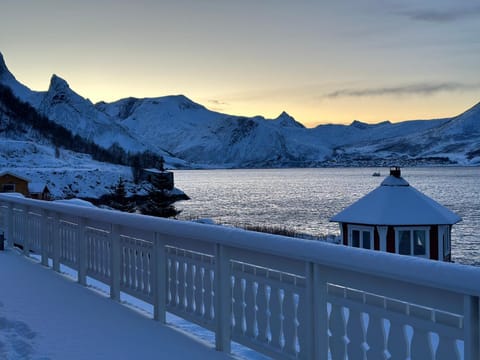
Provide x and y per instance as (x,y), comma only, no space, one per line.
(397,218)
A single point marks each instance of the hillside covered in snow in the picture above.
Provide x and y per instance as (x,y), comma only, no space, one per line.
(188,135)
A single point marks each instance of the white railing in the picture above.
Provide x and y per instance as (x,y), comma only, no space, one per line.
(283,297)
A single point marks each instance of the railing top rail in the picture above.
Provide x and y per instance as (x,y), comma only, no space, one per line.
(454,277)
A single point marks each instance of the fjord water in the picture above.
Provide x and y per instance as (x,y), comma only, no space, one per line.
(305,199)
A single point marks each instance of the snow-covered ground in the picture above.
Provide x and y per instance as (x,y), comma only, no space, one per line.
(69,173)
(45,315)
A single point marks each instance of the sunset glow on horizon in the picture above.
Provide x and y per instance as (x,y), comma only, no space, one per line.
(320,61)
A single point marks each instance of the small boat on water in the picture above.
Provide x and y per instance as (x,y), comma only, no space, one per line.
(376,174)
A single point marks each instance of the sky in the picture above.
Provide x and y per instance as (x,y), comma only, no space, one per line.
(321,61)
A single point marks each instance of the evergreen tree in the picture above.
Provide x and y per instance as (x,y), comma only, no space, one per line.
(159,202)
(161,164)
(119,199)
(136,168)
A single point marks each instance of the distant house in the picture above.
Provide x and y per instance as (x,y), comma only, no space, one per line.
(161,178)
(397,218)
(39,191)
(10,182)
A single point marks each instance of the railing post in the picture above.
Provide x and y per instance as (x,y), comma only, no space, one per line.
(44,237)
(82,252)
(471,326)
(56,242)
(159,281)
(10,225)
(223,299)
(317,324)
(115,262)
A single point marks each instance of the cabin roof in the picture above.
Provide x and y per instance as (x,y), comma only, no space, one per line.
(395,202)
(3,173)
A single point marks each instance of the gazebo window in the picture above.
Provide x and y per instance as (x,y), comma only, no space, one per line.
(413,241)
(360,237)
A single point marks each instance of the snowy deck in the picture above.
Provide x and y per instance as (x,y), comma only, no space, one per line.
(45,315)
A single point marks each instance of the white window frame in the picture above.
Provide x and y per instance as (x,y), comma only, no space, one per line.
(412,229)
(361,229)
(444,241)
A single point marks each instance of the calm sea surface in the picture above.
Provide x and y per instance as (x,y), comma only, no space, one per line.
(305,199)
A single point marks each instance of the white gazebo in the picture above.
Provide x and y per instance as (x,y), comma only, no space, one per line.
(397,218)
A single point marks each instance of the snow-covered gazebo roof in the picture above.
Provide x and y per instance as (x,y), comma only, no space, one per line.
(395,202)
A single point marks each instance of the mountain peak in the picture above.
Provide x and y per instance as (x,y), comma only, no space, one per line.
(284,119)
(359,125)
(184,103)
(3,66)
(57,84)
(5,74)
(7,79)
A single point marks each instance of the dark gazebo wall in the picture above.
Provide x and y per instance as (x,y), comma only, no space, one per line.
(391,239)
(434,242)
(345,233)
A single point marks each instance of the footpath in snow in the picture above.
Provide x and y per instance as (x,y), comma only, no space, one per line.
(46,316)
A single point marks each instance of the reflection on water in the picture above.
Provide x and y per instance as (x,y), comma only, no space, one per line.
(305,199)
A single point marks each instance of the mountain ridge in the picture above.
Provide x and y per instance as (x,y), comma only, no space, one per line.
(190,135)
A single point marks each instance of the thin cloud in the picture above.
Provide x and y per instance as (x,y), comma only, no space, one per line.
(443,16)
(217,105)
(411,89)
(217,102)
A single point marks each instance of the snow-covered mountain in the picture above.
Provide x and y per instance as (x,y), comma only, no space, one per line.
(453,140)
(189,135)
(77,114)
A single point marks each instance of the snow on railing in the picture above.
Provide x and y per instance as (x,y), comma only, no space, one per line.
(286,298)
